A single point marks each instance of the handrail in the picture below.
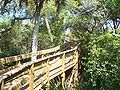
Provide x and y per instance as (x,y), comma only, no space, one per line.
(36,61)
(29,55)
(38,67)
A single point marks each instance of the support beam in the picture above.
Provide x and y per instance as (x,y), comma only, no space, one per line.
(76,68)
(47,75)
(31,77)
(63,70)
(2,85)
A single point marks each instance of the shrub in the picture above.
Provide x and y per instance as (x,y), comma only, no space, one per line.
(101,69)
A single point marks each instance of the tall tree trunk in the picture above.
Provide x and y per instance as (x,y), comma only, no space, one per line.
(39,5)
(48,28)
(35,36)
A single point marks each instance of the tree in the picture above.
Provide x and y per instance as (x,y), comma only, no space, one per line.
(38,6)
(113,8)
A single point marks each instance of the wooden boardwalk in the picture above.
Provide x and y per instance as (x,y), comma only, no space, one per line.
(32,75)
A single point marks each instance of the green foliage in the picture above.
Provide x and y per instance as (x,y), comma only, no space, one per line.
(113,8)
(16,41)
(102,63)
(100,51)
(57,85)
(5,21)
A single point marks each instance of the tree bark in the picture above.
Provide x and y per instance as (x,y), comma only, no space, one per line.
(35,36)
(48,28)
(39,5)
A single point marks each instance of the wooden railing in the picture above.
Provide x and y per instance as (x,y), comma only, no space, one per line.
(33,75)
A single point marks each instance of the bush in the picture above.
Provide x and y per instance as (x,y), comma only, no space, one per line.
(101,69)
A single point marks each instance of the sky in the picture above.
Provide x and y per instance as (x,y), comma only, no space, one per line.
(20,12)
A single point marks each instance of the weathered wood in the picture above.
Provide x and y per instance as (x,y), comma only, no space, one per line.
(67,59)
(47,75)
(60,71)
(74,78)
(53,75)
(25,65)
(53,70)
(16,71)
(76,68)
(42,70)
(58,66)
(14,58)
(25,56)
(56,55)
(63,71)
(18,83)
(7,69)
(71,78)
(19,64)
(2,85)
(31,77)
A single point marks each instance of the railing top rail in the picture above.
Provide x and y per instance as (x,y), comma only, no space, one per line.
(29,55)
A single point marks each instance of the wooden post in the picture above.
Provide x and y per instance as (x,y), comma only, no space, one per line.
(42,56)
(19,64)
(71,78)
(2,85)
(47,75)
(63,69)
(31,77)
(76,68)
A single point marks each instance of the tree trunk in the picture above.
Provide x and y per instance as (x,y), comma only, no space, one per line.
(48,28)
(39,5)
(35,36)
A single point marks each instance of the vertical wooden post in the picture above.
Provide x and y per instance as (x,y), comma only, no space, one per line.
(31,77)
(47,75)
(76,68)
(19,64)
(42,56)
(63,69)
(2,85)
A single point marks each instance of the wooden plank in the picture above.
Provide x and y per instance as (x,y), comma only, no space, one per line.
(25,56)
(47,75)
(31,77)
(56,73)
(19,75)
(56,69)
(55,55)
(76,68)
(14,58)
(2,85)
(39,70)
(71,78)
(63,71)
(52,70)
(17,85)
(50,50)
(39,81)
(25,65)
(11,74)
(7,69)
